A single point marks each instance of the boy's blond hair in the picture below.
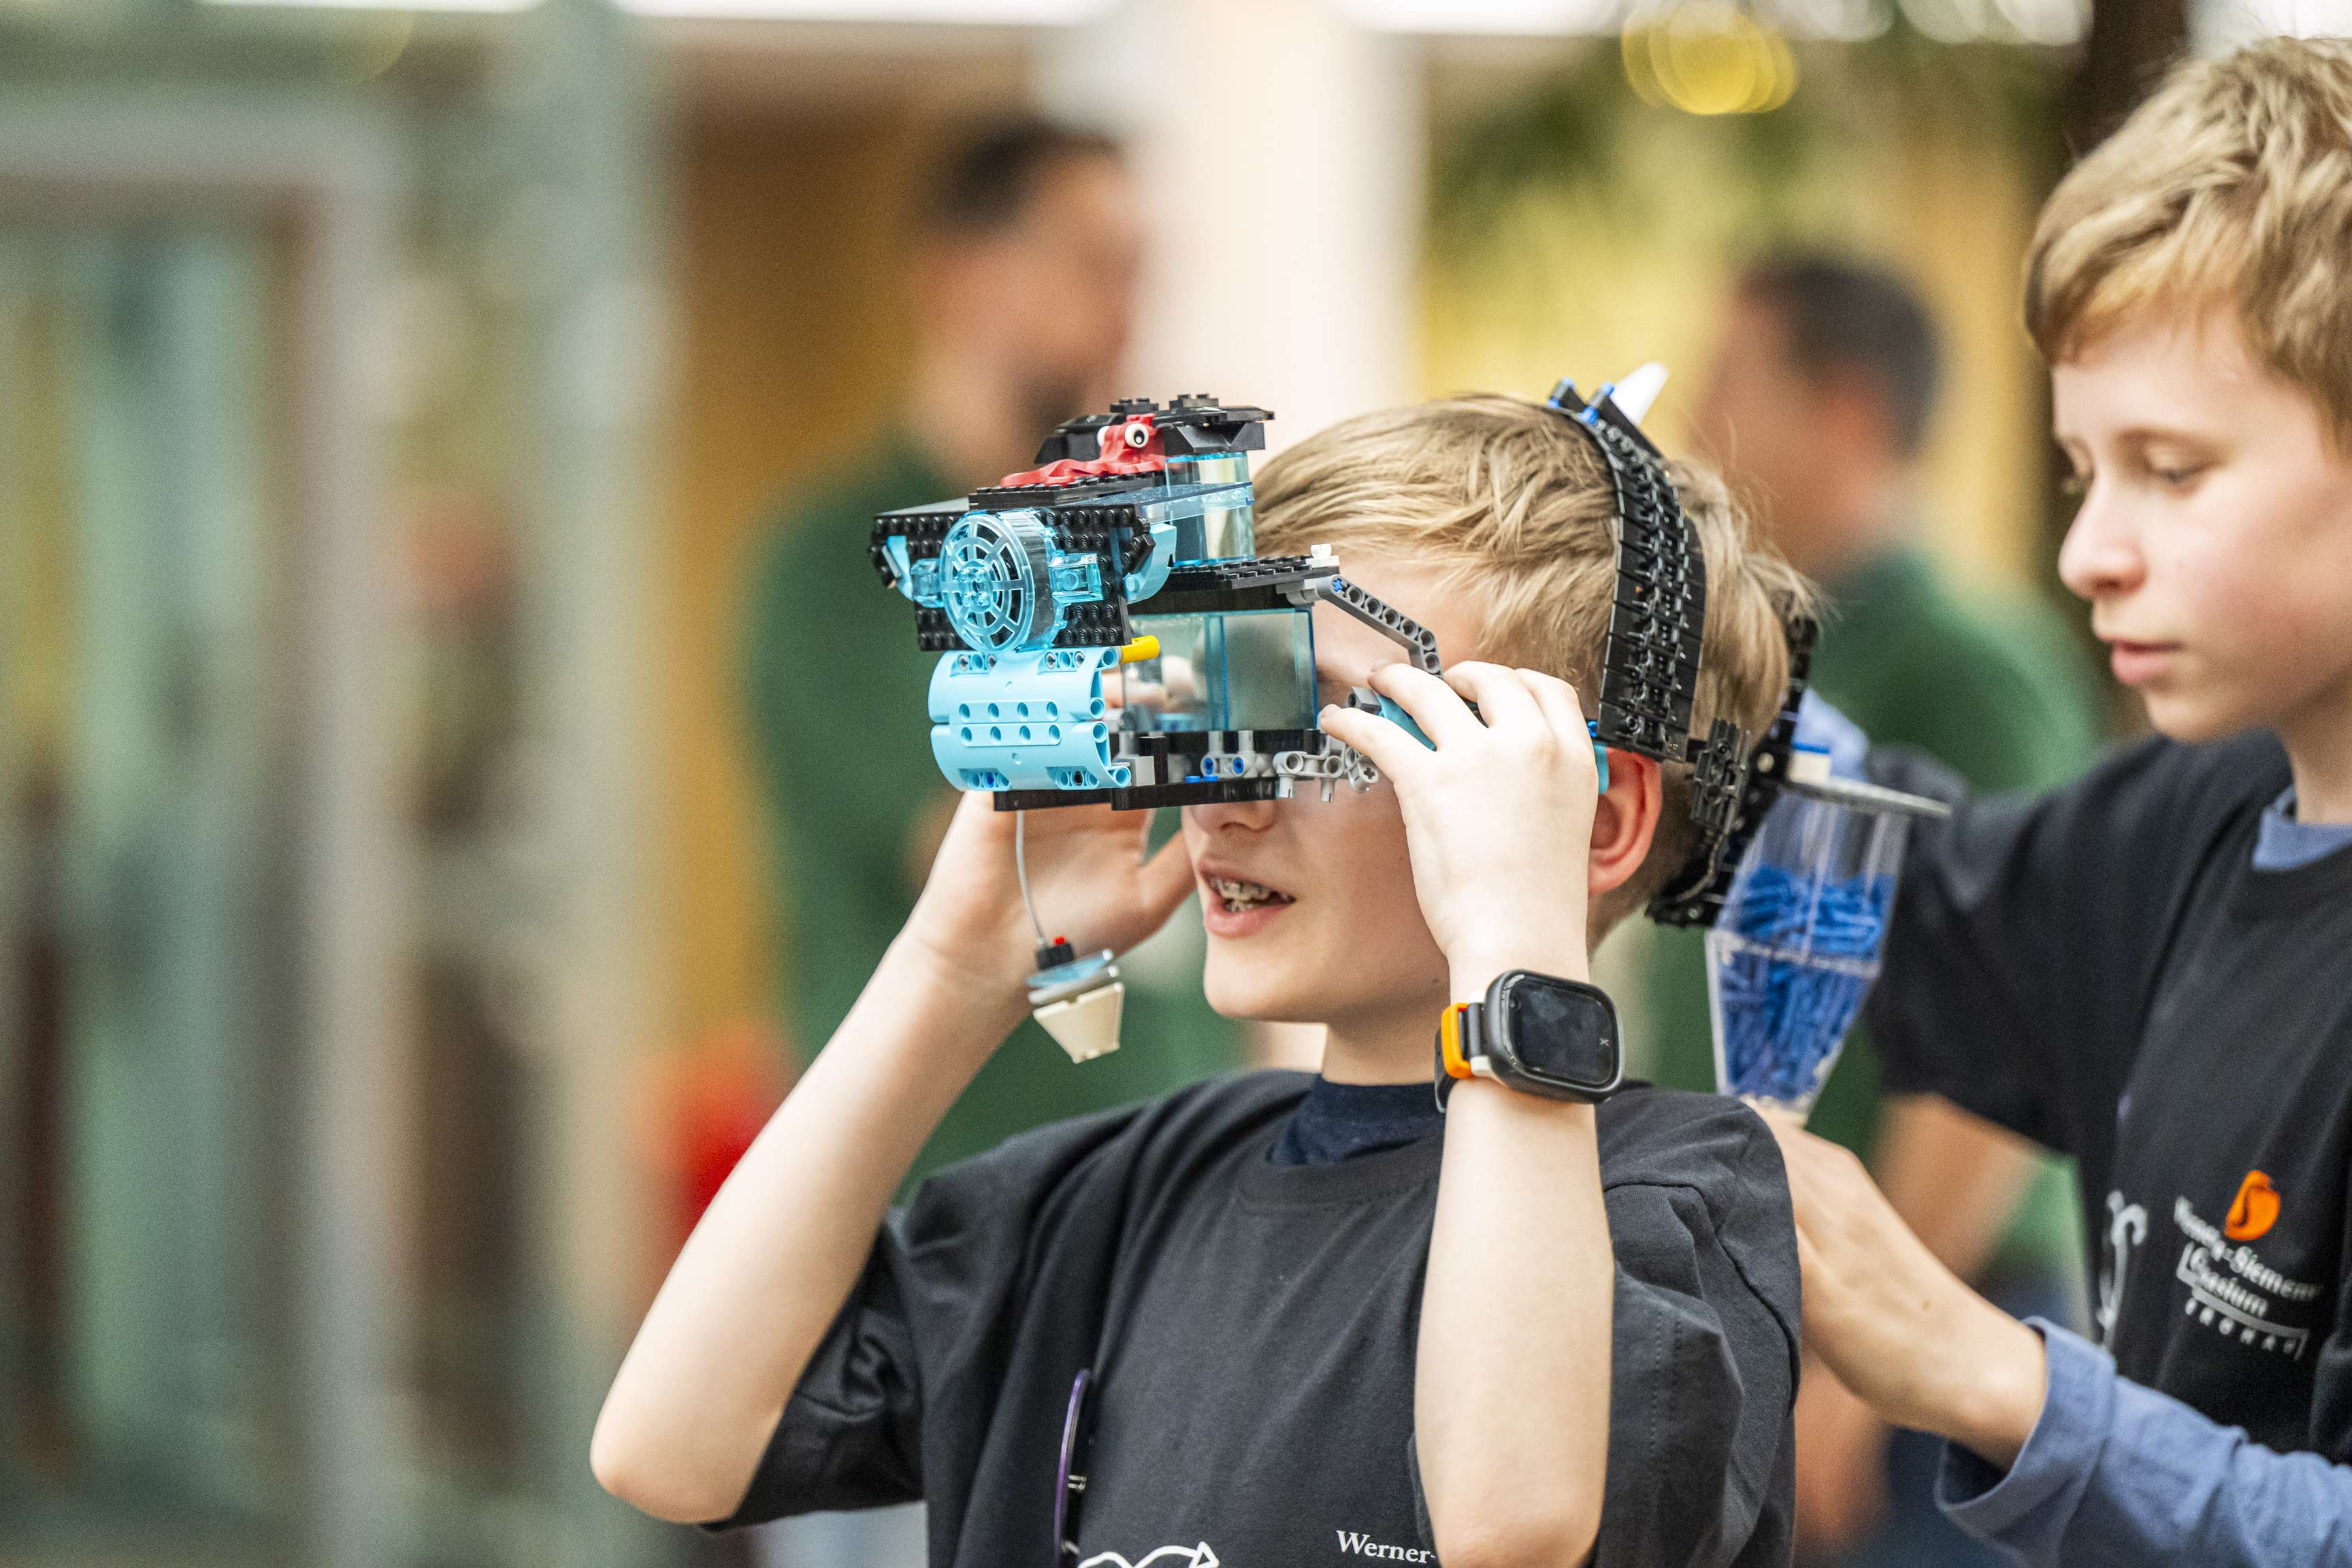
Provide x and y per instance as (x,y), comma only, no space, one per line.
(2231,188)
(1510,504)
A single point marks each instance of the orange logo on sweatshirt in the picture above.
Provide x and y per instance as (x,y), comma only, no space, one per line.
(2253,1211)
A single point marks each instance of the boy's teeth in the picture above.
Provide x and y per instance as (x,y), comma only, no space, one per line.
(1237,893)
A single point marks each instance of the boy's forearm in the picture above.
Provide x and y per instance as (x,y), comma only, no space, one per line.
(1954,1178)
(778,1251)
(1511,1389)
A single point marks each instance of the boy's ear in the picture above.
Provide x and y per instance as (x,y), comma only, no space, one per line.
(1626,821)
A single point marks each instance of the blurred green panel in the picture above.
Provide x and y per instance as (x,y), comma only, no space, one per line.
(142,795)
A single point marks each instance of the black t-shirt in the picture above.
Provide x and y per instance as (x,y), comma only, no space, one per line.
(2106,970)
(1251,1327)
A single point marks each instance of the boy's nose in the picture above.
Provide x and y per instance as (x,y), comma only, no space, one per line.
(2102,556)
(1242,816)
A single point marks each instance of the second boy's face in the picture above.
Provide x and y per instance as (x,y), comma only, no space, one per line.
(1309,905)
(2214,541)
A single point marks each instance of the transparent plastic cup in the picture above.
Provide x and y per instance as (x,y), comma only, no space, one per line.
(1802,936)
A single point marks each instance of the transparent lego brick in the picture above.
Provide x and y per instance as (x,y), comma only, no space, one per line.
(1242,670)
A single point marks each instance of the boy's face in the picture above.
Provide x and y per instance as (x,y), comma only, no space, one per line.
(1339,939)
(2214,541)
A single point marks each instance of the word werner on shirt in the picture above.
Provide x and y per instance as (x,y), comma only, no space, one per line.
(1350,1540)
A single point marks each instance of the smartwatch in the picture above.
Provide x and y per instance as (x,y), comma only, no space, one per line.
(1537,1032)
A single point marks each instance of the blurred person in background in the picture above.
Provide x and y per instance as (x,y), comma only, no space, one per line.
(1024,271)
(1818,406)
(1023,277)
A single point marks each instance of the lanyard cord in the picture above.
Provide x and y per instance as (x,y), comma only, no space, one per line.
(1020,869)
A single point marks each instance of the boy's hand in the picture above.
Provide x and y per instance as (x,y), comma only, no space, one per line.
(1498,815)
(1088,875)
(1897,1327)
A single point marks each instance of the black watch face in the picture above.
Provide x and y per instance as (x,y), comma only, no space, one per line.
(1567,1034)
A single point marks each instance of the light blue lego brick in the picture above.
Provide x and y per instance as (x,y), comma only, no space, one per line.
(916,580)
(1211,521)
(1076,579)
(1402,720)
(1152,575)
(1024,720)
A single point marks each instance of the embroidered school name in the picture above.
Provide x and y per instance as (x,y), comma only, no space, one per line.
(2233,1291)
(1364,1546)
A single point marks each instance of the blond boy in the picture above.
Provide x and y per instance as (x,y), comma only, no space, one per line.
(1318,1322)
(2152,971)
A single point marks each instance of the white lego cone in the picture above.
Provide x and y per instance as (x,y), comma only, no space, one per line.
(1085,1025)
(1638,389)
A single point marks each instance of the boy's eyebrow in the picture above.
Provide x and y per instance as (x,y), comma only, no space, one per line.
(2148,435)
(2136,439)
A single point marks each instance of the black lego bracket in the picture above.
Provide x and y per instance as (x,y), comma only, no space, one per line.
(1649,683)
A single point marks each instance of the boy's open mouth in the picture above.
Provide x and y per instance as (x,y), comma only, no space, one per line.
(1237,896)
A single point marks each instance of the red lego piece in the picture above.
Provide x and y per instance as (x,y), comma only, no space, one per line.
(1129,446)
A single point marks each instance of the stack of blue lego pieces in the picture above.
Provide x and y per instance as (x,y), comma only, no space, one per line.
(1793,958)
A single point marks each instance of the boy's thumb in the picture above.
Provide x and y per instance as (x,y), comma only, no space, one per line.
(1165,880)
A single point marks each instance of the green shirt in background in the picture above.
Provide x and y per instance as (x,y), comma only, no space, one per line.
(839,709)
(1998,692)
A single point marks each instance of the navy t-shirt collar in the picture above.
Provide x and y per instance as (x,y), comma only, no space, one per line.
(1342,1121)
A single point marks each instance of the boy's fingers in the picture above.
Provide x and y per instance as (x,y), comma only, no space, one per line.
(1799,1158)
(1556,699)
(1503,699)
(1393,750)
(1434,706)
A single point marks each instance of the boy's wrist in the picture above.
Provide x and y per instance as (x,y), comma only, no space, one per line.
(969,998)
(1470,969)
(1995,1389)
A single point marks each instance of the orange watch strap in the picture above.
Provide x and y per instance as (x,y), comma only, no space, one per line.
(1449,1041)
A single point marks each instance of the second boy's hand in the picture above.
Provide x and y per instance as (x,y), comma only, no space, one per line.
(1512,1375)
(1896,1326)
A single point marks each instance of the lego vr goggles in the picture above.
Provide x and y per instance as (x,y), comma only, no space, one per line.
(1109,634)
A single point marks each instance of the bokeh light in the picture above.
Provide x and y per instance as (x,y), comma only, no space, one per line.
(1707,57)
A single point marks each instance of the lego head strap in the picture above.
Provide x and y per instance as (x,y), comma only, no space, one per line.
(1648,679)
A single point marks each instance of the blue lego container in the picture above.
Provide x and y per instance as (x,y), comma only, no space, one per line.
(1801,934)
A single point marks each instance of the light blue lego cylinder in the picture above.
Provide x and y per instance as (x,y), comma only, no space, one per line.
(1024,720)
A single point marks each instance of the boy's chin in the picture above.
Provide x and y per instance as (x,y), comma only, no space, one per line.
(1267,993)
(2194,718)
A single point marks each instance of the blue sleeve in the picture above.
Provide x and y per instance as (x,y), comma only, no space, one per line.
(2118,1476)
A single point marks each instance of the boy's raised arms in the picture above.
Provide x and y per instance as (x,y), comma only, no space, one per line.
(1511,1392)
(780,1249)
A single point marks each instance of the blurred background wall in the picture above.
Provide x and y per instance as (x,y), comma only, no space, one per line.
(391,403)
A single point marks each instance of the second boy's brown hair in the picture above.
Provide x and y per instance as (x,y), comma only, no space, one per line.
(2231,188)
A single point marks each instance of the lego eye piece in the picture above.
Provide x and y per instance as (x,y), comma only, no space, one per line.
(1138,433)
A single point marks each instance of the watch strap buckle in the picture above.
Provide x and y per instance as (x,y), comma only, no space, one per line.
(1459,1045)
